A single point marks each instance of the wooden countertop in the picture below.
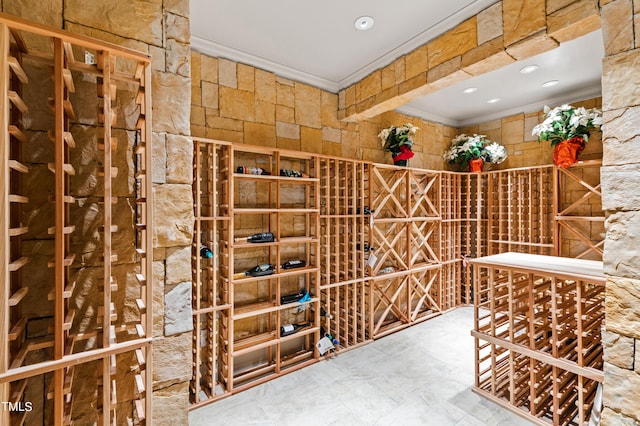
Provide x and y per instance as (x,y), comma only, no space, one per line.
(581,269)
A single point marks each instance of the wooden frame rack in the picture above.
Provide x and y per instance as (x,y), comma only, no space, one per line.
(392,248)
(67,321)
(537,335)
(239,320)
(578,215)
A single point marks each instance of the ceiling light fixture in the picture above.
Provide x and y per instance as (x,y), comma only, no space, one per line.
(493,101)
(470,90)
(550,83)
(528,69)
(363,23)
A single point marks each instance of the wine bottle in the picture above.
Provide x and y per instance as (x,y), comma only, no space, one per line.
(294,297)
(260,237)
(252,170)
(289,329)
(257,271)
(293,173)
(205,252)
(365,247)
(292,264)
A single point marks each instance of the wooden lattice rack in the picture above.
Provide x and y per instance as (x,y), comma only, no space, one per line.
(537,335)
(391,248)
(72,332)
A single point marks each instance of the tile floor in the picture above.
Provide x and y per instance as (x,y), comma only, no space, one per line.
(419,376)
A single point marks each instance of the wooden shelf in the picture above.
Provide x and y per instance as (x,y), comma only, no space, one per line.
(275,178)
(55,357)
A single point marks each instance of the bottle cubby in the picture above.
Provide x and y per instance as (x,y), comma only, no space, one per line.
(76,311)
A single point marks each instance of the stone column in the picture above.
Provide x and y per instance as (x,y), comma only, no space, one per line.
(620,177)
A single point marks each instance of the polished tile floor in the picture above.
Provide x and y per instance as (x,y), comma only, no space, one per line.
(419,376)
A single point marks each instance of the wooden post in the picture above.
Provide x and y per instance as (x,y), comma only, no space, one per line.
(5,276)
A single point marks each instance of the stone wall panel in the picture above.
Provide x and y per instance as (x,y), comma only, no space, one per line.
(171,103)
(623,297)
(522,18)
(454,42)
(618,350)
(620,81)
(137,20)
(173,215)
(490,23)
(623,136)
(179,159)
(620,391)
(617,27)
(578,19)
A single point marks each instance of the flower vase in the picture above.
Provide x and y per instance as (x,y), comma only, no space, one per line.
(475,165)
(566,152)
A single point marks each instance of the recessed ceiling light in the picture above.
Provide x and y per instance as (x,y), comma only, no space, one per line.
(528,69)
(363,23)
(470,90)
(493,101)
(550,83)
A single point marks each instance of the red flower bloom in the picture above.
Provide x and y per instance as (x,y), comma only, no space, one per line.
(405,154)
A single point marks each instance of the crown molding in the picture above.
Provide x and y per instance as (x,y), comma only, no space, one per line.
(221,51)
(429,34)
(214,49)
(415,112)
(582,94)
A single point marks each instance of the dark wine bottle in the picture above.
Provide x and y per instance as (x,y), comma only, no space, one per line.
(205,252)
(294,297)
(292,173)
(365,247)
(292,264)
(257,271)
(260,237)
(252,171)
(289,329)
(366,210)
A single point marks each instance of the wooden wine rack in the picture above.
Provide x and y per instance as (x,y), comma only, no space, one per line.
(537,333)
(237,341)
(345,234)
(423,228)
(578,215)
(406,236)
(56,334)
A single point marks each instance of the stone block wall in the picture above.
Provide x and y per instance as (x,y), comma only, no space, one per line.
(243,104)
(505,32)
(621,199)
(159,28)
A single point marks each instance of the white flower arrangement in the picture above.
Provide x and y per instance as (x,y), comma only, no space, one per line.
(394,137)
(465,148)
(566,122)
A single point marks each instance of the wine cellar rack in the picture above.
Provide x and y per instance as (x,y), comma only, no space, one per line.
(238,341)
(538,336)
(385,248)
(77,228)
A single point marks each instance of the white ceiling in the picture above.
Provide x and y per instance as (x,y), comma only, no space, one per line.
(316,43)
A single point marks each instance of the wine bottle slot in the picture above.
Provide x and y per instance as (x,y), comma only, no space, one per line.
(293,173)
(260,237)
(293,264)
(289,329)
(252,171)
(294,297)
(257,271)
(205,252)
